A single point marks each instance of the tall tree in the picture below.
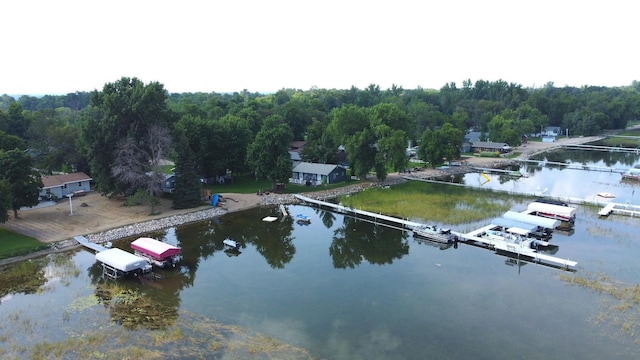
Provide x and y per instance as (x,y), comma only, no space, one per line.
(440,144)
(268,155)
(124,109)
(137,165)
(5,200)
(187,186)
(25,182)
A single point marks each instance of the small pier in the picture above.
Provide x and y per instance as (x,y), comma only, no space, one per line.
(501,245)
(603,148)
(88,244)
(499,171)
(620,209)
(573,166)
(472,238)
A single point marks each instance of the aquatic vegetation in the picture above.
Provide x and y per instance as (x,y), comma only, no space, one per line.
(26,277)
(433,202)
(191,337)
(621,303)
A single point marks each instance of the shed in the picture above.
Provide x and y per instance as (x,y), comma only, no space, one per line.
(59,186)
(317,174)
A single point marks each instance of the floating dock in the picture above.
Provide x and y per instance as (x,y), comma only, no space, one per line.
(471,238)
(502,245)
(620,209)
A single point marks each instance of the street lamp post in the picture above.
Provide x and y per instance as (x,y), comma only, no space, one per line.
(70,204)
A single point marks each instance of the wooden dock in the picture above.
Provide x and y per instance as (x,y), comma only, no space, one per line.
(499,171)
(347,210)
(88,244)
(470,238)
(620,209)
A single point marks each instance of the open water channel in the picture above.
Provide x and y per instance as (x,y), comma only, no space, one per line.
(342,288)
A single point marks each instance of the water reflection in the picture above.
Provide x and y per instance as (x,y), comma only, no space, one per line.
(584,175)
(356,241)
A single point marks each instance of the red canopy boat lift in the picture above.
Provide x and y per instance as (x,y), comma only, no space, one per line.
(157,252)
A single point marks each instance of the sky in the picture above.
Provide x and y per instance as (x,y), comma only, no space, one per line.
(63,46)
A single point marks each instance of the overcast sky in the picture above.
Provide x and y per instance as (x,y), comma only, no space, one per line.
(57,47)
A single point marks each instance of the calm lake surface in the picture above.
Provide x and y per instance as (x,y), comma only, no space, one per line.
(343,288)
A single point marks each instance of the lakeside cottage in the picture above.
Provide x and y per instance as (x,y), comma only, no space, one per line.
(317,174)
(59,186)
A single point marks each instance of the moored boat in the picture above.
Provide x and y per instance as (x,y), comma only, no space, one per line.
(433,233)
(632,174)
(303,219)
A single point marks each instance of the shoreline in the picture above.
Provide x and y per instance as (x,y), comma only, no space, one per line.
(190,215)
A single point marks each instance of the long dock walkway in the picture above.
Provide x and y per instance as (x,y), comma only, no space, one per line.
(472,236)
(88,244)
(621,209)
(347,210)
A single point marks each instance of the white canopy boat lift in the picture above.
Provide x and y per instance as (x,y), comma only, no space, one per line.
(117,263)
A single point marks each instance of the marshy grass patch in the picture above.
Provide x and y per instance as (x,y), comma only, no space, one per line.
(620,304)
(433,202)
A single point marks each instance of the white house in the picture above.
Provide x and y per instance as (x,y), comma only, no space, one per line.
(59,186)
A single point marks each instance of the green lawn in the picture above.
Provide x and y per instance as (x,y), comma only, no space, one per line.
(14,244)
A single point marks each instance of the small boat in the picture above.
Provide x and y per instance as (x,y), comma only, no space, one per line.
(303,219)
(607,195)
(632,174)
(433,233)
(231,244)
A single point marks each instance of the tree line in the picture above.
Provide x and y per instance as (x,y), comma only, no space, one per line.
(119,134)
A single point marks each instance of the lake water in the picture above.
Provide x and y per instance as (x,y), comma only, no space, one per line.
(348,289)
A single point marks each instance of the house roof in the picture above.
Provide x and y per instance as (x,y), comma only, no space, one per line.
(60,180)
(490,145)
(314,168)
(297,145)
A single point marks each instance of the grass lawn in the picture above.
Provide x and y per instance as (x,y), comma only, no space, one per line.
(14,244)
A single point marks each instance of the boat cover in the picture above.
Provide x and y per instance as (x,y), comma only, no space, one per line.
(121,260)
(154,248)
(545,223)
(564,211)
(508,223)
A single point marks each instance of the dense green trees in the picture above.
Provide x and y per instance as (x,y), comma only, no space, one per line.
(23,180)
(268,155)
(125,109)
(246,132)
(187,186)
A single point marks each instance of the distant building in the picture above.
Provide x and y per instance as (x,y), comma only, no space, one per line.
(58,186)
(500,147)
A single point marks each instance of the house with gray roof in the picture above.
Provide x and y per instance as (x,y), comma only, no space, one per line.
(59,186)
(316,174)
